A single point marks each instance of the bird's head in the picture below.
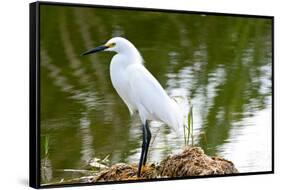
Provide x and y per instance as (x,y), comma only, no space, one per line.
(116,44)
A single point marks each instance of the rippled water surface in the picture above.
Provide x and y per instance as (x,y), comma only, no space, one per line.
(222,64)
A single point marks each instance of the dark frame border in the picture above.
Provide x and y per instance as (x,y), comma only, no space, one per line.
(34,91)
(34,95)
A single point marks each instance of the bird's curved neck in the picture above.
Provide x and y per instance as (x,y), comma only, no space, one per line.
(132,55)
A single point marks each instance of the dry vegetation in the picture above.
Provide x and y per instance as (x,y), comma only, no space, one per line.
(191,162)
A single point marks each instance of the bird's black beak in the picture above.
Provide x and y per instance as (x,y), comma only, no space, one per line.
(94,50)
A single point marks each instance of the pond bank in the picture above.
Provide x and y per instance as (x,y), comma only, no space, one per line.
(192,161)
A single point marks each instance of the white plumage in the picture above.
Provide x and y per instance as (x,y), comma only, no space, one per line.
(139,89)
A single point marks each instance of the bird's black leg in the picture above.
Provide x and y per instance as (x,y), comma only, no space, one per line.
(142,149)
(148,137)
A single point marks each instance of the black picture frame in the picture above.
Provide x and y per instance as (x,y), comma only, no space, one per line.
(34,93)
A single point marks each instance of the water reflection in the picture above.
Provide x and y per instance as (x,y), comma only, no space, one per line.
(222,64)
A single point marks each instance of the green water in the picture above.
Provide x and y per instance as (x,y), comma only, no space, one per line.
(223,64)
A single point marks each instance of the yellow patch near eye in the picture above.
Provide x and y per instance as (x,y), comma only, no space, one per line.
(111,45)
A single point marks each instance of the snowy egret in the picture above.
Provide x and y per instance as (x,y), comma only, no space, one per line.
(140,91)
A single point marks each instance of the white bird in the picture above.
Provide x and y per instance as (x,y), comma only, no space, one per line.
(140,91)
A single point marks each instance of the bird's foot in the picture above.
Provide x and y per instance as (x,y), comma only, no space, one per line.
(145,171)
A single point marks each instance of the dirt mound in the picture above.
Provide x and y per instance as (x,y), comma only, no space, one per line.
(123,171)
(191,162)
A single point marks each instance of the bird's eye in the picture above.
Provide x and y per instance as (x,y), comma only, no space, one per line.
(112,44)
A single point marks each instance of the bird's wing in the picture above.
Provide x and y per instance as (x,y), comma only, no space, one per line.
(151,98)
